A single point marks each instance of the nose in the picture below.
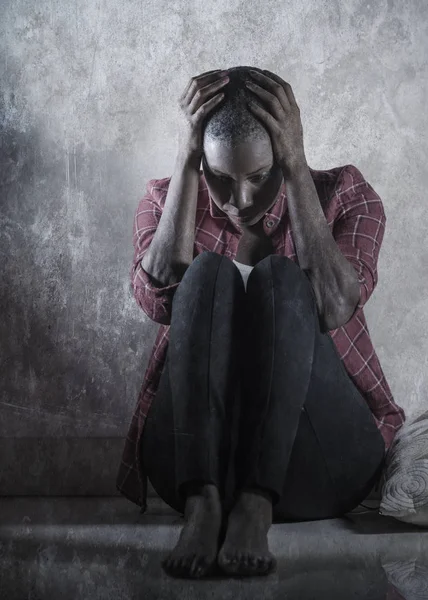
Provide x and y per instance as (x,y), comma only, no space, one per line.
(240,203)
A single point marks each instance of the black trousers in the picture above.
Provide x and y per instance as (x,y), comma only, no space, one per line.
(253,393)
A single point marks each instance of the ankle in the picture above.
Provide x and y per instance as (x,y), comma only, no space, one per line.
(254,492)
(198,488)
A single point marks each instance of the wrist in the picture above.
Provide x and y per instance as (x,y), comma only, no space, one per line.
(186,158)
(294,166)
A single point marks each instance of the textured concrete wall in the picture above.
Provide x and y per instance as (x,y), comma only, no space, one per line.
(89,109)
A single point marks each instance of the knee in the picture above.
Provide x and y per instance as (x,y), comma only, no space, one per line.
(202,267)
(207,258)
(208,268)
(209,262)
(280,269)
(283,278)
(275,261)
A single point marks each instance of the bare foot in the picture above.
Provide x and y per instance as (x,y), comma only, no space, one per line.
(196,550)
(245,549)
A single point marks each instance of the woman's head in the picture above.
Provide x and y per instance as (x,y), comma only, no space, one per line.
(238,162)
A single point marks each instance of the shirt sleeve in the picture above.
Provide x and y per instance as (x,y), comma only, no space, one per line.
(359,227)
(155,300)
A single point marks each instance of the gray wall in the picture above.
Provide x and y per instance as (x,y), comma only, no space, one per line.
(89,109)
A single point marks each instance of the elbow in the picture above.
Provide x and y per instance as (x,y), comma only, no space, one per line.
(162,318)
(337,319)
(157,310)
(329,321)
(350,304)
(339,313)
(154,299)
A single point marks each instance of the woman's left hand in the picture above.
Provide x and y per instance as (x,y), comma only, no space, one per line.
(282,120)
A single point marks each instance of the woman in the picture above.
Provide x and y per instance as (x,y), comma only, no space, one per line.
(270,402)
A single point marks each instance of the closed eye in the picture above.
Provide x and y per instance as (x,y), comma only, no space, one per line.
(256,179)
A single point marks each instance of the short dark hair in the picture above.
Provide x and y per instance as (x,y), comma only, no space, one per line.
(231,121)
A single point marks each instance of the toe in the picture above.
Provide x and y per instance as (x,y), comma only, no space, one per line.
(245,564)
(186,564)
(251,564)
(241,562)
(196,567)
(266,564)
(179,567)
(200,569)
(252,561)
(227,562)
(203,567)
(174,565)
(167,565)
(272,564)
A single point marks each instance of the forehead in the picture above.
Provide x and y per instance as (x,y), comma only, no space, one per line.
(247,156)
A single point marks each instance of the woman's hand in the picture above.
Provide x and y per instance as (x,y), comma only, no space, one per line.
(202,94)
(282,119)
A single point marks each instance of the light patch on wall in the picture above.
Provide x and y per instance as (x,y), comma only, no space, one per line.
(76,215)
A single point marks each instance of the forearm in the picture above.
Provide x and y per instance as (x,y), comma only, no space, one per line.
(171,249)
(333,278)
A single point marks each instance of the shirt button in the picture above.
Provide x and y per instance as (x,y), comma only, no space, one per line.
(269,223)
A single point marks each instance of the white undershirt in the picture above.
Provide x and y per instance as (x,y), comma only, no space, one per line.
(245,271)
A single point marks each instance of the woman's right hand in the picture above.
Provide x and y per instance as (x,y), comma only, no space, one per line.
(196,102)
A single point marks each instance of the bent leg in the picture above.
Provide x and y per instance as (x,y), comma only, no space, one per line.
(195,396)
(306,434)
(338,453)
(158,444)
(279,342)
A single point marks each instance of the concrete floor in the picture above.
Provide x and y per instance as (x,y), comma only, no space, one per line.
(86,547)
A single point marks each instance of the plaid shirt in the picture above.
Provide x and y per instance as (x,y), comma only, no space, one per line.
(354,212)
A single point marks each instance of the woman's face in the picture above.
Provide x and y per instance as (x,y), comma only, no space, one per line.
(244,182)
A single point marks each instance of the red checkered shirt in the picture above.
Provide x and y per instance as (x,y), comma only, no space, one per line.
(355,214)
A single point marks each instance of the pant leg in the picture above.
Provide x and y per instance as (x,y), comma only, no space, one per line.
(158,444)
(306,433)
(199,381)
(338,425)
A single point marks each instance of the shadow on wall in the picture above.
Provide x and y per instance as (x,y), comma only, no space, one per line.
(71,365)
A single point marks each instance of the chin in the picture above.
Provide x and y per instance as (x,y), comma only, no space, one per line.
(248,223)
(255,220)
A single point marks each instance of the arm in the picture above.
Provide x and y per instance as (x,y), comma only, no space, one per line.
(337,284)
(163,241)
(333,278)
(358,230)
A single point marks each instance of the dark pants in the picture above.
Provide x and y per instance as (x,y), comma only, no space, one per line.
(253,393)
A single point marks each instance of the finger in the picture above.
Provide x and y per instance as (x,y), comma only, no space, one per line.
(208,73)
(276,101)
(265,117)
(275,87)
(287,87)
(184,94)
